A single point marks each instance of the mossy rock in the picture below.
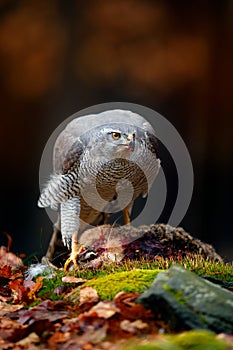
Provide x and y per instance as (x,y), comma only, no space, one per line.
(191,340)
(129,281)
(187,301)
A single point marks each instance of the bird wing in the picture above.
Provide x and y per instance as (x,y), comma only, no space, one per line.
(67,153)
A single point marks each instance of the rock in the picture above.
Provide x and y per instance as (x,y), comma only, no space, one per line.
(187,301)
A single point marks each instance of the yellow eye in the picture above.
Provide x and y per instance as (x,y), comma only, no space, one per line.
(116,135)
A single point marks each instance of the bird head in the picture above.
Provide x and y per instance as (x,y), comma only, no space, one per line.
(113,141)
(122,141)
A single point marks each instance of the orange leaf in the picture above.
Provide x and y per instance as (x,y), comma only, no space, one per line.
(37,286)
(18,290)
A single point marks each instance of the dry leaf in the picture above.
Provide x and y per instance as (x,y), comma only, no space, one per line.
(105,309)
(129,309)
(95,335)
(48,310)
(19,293)
(5,271)
(72,279)
(133,327)
(88,295)
(59,337)
(37,286)
(7,308)
(8,258)
(31,338)
(11,330)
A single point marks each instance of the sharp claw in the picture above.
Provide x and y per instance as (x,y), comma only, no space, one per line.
(71,260)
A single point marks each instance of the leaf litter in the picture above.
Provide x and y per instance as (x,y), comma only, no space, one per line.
(77,320)
(28,321)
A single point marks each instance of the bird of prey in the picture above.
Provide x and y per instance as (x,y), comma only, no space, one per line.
(101,164)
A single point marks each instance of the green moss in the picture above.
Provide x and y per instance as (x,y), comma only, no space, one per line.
(163,344)
(204,267)
(194,263)
(129,281)
(191,340)
(49,285)
(113,267)
(131,271)
(199,340)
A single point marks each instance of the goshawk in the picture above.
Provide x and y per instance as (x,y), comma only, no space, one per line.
(102,163)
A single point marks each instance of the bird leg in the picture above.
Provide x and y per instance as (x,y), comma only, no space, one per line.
(126,216)
(70,213)
(76,250)
(127,212)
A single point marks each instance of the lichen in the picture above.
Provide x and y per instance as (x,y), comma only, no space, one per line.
(129,281)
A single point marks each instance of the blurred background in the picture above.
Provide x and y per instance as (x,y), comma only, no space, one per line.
(57,57)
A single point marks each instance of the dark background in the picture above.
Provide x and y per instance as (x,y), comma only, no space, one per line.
(57,57)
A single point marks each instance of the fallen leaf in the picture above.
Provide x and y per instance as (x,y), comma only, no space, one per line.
(88,295)
(71,325)
(94,328)
(12,330)
(58,305)
(30,339)
(129,309)
(76,343)
(36,287)
(72,279)
(5,299)
(5,271)
(8,258)
(7,308)
(95,335)
(41,327)
(19,293)
(59,337)
(104,309)
(48,310)
(133,327)
(5,344)
(5,292)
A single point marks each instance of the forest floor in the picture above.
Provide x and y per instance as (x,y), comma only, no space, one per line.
(42,307)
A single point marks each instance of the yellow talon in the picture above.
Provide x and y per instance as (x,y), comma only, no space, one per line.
(76,250)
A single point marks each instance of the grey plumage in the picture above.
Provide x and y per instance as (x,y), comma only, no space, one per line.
(96,158)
